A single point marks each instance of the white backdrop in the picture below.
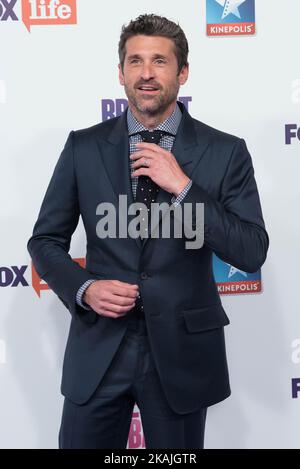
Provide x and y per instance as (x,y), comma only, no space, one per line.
(52,80)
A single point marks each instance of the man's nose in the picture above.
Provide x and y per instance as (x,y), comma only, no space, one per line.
(147,72)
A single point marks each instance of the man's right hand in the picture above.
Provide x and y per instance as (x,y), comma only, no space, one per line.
(111,298)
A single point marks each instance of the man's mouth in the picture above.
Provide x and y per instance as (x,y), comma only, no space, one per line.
(148,89)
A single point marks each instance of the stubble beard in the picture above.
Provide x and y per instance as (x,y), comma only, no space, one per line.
(157,104)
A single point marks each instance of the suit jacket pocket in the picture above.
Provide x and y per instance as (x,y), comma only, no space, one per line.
(206,318)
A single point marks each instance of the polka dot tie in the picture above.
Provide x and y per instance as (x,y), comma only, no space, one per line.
(147,190)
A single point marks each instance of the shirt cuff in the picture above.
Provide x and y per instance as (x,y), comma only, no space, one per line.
(81,292)
(177,200)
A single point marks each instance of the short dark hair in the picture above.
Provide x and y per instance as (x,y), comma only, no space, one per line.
(154,25)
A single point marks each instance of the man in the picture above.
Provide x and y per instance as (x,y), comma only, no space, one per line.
(147,321)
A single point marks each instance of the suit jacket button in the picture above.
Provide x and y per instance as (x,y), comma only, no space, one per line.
(144,275)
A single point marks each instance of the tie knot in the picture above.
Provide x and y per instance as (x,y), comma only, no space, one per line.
(153,136)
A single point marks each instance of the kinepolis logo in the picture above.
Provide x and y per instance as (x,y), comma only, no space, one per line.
(230,17)
(231,280)
(40,12)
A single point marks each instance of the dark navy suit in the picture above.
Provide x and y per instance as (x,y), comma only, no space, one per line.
(184,315)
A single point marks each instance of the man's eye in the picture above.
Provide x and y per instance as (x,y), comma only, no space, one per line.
(134,61)
(160,61)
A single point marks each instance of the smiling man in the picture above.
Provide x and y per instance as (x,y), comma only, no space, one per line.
(147,322)
(151,76)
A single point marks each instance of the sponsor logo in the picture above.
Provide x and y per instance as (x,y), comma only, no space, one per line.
(136,436)
(295,388)
(292,131)
(40,12)
(13,276)
(39,285)
(233,281)
(230,17)
(111,108)
(7,10)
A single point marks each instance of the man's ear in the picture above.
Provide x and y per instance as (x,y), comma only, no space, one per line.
(121,76)
(184,74)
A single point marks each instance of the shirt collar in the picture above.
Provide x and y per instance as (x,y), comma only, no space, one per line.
(170,125)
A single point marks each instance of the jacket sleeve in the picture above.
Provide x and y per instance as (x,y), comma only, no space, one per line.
(233,225)
(50,242)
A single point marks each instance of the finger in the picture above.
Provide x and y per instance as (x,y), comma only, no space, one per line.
(120,300)
(109,283)
(114,287)
(142,172)
(140,154)
(112,310)
(142,163)
(125,284)
(126,292)
(110,314)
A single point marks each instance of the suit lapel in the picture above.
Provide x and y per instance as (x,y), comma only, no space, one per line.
(188,149)
(114,151)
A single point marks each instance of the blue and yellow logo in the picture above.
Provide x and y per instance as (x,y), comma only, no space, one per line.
(230,17)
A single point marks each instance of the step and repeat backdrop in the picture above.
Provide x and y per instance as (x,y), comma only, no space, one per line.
(58,72)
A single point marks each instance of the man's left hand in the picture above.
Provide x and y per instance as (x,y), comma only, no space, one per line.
(161,166)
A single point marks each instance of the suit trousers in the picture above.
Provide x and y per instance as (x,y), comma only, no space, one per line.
(104,420)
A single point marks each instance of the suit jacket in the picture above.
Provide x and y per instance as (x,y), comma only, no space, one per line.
(184,314)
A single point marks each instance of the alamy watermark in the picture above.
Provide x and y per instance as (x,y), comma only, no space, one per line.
(185,220)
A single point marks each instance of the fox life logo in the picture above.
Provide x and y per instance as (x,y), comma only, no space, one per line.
(17,276)
(39,12)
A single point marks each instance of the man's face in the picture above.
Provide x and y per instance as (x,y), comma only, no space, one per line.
(150,74)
